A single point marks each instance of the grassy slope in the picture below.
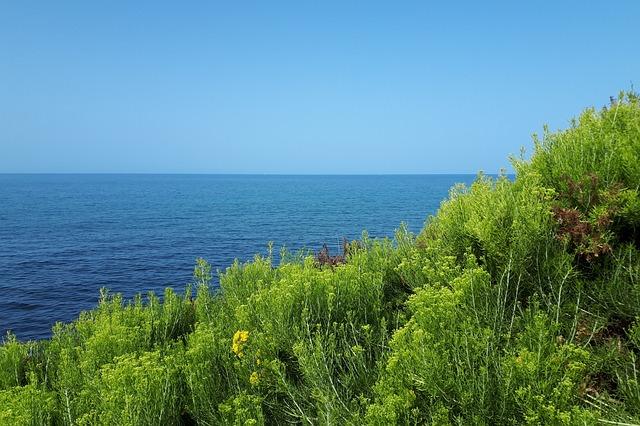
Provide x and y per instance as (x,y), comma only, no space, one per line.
(518,303)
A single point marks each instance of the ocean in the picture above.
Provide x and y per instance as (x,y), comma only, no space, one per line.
(63,237)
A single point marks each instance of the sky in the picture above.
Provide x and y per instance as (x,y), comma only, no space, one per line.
(300,87)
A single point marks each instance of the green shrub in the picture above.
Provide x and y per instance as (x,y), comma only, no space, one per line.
(614,293)
(79,350)
(593,169)
(138,390)
(208,373)
(303,327)
(441,358)
(13,355)
(242,410)
(28,405)
(541,376)
(506,225)
(599,143)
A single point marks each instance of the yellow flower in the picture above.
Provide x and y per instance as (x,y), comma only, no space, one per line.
(254,379)
(239,338)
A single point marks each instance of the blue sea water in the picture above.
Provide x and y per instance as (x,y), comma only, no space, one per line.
(63,237)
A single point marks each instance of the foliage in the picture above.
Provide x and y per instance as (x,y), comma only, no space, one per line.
(28,405)
(138,389)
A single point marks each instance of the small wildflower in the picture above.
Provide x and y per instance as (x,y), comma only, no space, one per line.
(254,379)
(239,338)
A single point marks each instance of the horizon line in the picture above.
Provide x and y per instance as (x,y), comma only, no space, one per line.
(253,174)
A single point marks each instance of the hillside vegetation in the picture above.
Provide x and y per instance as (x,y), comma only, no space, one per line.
(518,303)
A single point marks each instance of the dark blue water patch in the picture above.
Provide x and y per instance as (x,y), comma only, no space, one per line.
(63,237)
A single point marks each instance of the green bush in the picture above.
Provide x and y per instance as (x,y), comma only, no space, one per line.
(28,405)
(441,358)
(208,372)
(138,389)
(13,355)
(541,376)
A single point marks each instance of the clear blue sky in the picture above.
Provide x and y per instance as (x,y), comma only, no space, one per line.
(296,87)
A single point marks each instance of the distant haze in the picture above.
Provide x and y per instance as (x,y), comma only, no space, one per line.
(300,87)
